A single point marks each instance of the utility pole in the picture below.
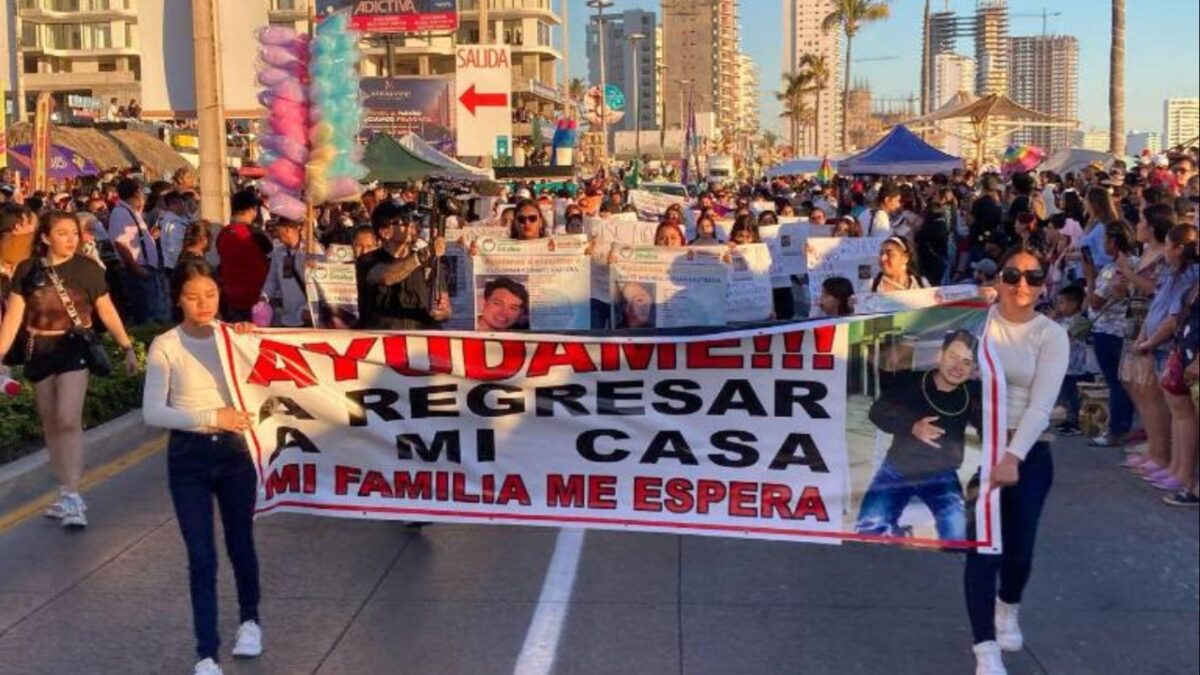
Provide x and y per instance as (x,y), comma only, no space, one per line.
(600,6)
(210,112)
(635,44)
(484,40)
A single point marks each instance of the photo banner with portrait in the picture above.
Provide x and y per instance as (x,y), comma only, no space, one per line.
(608,234)
(855,258)
(538,284)
(770,433)
(655,287)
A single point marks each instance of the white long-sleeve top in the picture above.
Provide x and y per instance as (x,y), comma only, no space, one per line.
(1034,356)
(185,386)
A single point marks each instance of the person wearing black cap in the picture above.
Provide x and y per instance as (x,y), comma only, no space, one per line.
(398,289)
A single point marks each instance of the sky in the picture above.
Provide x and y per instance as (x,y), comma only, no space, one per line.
(1161,49)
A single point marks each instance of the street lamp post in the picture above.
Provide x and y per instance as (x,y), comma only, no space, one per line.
(635,43)
(600,6)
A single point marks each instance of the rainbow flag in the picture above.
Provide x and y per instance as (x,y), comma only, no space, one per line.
(825,173)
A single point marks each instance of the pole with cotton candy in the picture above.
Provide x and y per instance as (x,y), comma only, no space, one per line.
(335,162)
(283,71)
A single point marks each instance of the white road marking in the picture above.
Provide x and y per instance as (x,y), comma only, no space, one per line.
(545,629)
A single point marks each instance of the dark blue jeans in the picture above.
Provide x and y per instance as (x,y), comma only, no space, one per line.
(890,493)
(1120,408)
(146,297)
(1020,511)
(1069,397)
(199,467)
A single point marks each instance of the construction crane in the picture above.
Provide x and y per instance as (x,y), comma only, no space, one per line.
(1044,15)
(875,58)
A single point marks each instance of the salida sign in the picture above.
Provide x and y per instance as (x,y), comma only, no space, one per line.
(401,16)
(483,79)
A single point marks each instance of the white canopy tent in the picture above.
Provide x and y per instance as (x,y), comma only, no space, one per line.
(452,167)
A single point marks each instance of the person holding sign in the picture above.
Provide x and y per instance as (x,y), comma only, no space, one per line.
(706,232)
(1034,352)
(396,293)
(928,443)
(897,269)
(528,222)
(207,457)
(669,235)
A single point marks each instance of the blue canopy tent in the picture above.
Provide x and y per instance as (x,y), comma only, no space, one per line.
(900,153)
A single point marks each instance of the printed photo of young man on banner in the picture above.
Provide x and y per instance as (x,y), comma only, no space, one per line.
(917,415)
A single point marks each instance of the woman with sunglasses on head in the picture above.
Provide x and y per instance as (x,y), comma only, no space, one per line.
(897,268)
(1034,352)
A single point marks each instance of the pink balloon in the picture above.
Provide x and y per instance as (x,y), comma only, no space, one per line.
(287,206)
(283,55)
(277,35)
(273,77)
(287,174)
(290,90)
(286,147)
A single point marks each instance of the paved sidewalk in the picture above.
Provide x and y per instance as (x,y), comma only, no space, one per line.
(1115,590)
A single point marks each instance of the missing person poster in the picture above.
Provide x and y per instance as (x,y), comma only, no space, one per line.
(876,430)
(538,284)
(855,258)
(607,235)
(654,287)
(748,297)
(787,242)
(332,289)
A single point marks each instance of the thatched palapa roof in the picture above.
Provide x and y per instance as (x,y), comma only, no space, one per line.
(117,149)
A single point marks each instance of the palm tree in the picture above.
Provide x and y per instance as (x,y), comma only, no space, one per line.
(795,86)
(850,16)
(1116,82)
(768,140)
(799,114)
(817,68)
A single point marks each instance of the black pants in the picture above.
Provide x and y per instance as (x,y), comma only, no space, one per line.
(199,467)
(1020,511)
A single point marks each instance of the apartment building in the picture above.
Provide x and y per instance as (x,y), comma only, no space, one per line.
(802,34)
(702,62)
(1044,76)
(1181,121)
(630,65)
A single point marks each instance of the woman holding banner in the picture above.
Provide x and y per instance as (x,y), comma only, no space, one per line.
(207,457)
(1033,351)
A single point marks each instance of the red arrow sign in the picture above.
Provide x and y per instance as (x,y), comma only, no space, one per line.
(472,100)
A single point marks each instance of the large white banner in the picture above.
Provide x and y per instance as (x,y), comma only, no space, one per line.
(652,205)
(654,287)
(755,433)
(540,284)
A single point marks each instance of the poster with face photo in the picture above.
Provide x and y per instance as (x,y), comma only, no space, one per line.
(685,286)
(855,258)
(538,284)
(917,438)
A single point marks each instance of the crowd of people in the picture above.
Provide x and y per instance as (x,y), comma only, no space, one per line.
(1094,274)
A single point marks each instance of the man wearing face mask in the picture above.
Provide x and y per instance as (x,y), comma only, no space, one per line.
(399,288)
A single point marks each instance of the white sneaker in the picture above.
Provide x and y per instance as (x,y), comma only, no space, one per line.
(1008,631)
(988,660)
(73,509)
(207,667)
(58,509)
(249,640)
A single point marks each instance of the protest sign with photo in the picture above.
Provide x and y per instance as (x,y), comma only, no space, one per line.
(787,245)
(332,292)
(606,234)
(855,258)
(539,284)
(459,281)
(767,433)
(654,287)
(748,296)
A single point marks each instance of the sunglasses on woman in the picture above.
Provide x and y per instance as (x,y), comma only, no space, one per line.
(1012,276)
(527,219)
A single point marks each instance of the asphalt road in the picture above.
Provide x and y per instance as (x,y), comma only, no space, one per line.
(1115,590)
